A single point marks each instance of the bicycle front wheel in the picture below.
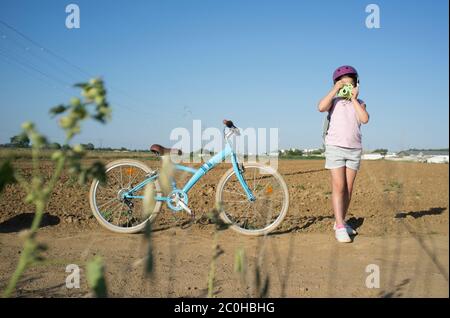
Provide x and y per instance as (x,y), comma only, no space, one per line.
(257,217)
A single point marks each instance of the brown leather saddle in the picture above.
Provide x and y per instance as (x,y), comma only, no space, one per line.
(161,151)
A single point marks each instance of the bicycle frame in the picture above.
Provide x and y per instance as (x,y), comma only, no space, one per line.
(197,174)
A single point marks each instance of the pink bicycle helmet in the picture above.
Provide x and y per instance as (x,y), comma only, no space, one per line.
(344,70)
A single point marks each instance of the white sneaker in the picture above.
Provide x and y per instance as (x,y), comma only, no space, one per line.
(342,235)
(349,229)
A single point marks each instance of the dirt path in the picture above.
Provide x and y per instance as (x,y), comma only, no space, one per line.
(410,266)
(399,208)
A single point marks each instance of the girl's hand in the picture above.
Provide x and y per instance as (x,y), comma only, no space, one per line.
(355,92)
(338,85)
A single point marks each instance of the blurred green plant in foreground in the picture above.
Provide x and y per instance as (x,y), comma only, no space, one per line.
(39,190)
(95,272)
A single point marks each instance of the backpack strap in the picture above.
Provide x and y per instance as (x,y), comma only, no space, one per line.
(326,124)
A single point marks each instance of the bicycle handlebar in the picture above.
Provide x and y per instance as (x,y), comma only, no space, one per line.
(228,123)
(233,130)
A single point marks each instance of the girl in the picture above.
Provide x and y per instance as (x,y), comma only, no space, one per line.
(343,146)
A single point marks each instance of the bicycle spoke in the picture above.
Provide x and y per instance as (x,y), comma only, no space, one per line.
(103,204)
(235,193)
(121,177)
(256,186)
(272,200)
(258,214)
(115,178)
(120,215)
(128,220)
(134,178)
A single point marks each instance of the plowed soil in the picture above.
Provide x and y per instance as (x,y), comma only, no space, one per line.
(400,210)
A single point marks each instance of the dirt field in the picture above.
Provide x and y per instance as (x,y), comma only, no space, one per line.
(400,210)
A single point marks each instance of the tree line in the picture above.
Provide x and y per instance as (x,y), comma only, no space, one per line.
(22,141)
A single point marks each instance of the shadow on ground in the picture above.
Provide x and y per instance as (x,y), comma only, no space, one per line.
(419,214)
(23,221)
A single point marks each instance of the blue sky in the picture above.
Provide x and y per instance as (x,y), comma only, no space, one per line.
(261,63)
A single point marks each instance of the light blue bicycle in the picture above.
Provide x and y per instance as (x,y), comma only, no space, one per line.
(253,197)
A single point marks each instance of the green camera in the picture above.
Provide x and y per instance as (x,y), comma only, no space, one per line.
(346,91)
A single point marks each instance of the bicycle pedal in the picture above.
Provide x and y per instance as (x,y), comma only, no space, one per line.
(185,207)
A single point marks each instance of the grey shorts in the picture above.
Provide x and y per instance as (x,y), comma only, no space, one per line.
(336,157)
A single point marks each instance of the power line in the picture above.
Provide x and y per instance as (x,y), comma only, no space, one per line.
(80,69)
(32,75)
(28,65)
(34,54)
(44,48)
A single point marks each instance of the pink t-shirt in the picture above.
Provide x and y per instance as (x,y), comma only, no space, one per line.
(344,129)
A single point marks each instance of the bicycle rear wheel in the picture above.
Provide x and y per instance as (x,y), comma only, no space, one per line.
(257,217)
(108,205)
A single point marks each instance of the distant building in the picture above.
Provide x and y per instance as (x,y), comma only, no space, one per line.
(309,150)
(425,156)
(423,153)
(438,159)
(372,156)
(428,156)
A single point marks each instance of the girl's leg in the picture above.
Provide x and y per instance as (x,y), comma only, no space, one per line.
(350,175)
(338,184)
